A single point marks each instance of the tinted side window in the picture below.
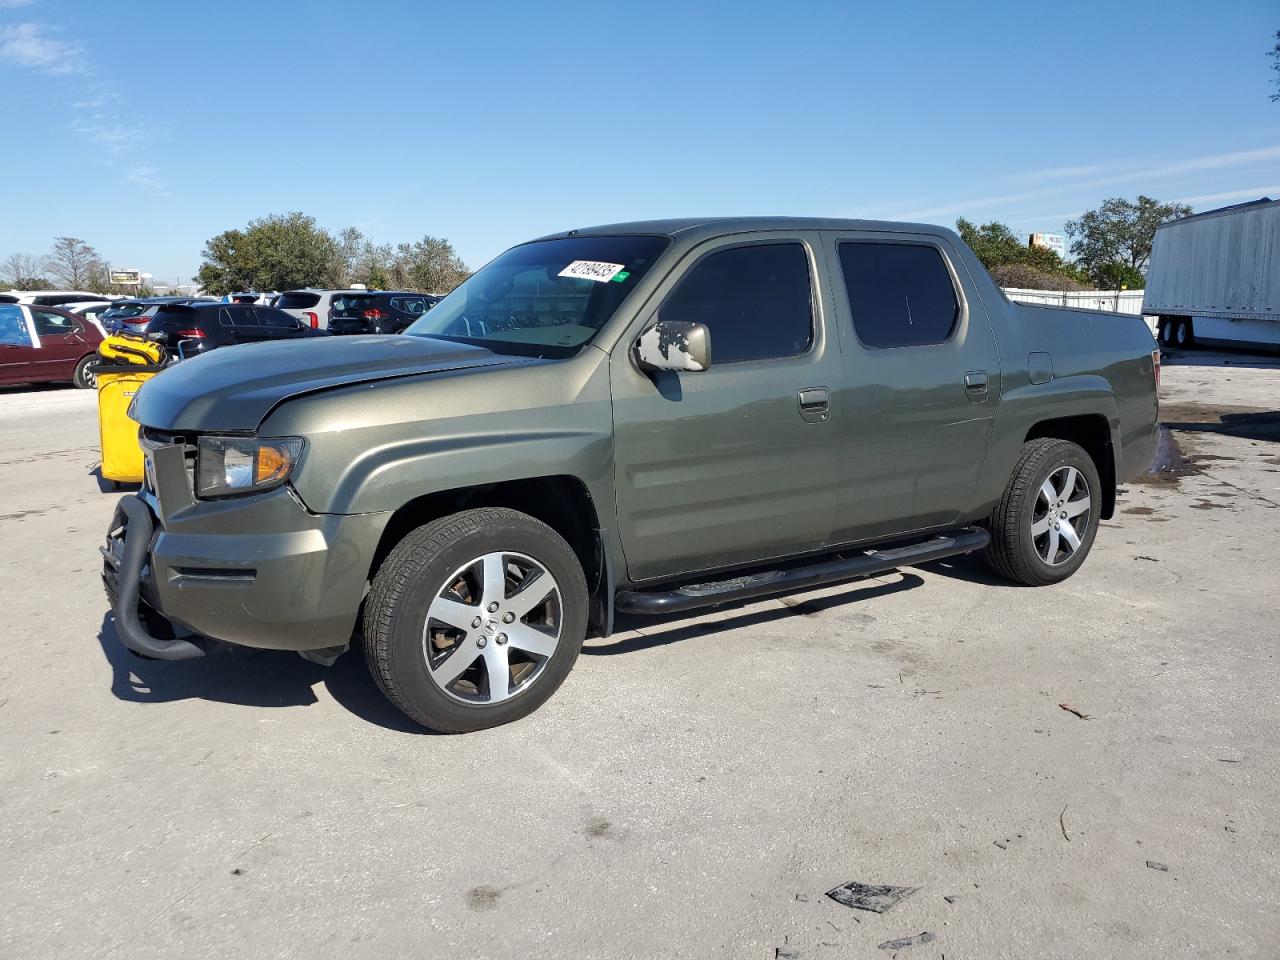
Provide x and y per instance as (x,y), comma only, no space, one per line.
(900,294)
(238,315)
(755,300)
(416,306)
(51,324)
(271,317)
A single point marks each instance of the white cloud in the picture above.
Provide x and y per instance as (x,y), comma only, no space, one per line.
(1147,174)
(35,47)
(147,176)
(1252,193)
(14,4)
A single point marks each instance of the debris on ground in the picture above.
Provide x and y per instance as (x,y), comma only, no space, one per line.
(785,953)
(867,896)
(1002,844)
(952,899)
(1063,823)
(918,939)
(1070,709)
(1141,557)
(1157,865)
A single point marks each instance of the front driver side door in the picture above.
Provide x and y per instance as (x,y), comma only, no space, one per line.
(19,352)
(725,466)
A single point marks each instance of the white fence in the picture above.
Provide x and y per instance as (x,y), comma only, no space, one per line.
(1117,301)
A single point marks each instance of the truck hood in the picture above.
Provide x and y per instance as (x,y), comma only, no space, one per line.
(234,388)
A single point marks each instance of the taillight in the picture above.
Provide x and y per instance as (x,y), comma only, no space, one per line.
(314,320)
(1155,365)
(374,314)
(190,334)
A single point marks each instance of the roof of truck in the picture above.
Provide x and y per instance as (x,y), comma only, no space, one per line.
(703,227)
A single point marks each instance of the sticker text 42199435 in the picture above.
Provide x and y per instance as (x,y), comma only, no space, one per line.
(592,270)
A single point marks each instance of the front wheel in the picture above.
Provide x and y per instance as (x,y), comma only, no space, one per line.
(1045,523)
(475,619)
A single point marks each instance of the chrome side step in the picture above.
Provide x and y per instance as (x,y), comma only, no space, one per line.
(864,564)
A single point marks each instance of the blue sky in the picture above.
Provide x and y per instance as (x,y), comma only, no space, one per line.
(146,127)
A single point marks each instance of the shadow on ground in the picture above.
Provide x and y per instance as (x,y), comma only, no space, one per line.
(254,678)
(660,631)
(1219,357)
(1249,423)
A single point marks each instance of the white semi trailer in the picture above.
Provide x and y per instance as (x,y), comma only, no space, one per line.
(1215,277)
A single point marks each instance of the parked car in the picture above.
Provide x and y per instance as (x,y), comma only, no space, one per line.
(249,296)
(647,418)
(312,306)
(188,329)
(377,311)
(45,344)
(92,311)
(133,316)
(52,298)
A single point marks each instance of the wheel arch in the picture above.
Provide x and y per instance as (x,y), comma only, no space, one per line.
(1092,432)
(563,502)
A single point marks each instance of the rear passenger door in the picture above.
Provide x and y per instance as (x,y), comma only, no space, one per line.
(921,379)
(61,344)
(725,466)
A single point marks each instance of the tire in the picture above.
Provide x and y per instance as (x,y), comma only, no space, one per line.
(1184,335)
(1024,531)
(447,675)
(81,376)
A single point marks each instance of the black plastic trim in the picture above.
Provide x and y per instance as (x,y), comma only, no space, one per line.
(138,528)
(745,587)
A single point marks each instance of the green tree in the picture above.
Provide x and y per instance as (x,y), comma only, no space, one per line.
(430,265)
(1120,231)
(1115,275)
(271,253)
(1013,263)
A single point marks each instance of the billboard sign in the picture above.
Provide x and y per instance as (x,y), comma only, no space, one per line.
(1051,241)
(126,278)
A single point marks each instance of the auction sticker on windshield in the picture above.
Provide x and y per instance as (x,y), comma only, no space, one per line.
(592,270)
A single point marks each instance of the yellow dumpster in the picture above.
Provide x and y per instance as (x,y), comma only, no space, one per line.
(124,363)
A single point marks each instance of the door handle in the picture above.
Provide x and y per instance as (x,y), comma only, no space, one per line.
(815,404)
(975,384)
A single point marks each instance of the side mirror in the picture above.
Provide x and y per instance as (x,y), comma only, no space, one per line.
(674,345)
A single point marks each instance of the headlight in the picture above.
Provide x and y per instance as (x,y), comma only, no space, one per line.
(227,466)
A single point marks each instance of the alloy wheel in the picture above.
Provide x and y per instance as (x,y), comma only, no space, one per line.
(1060,520)
(492,627)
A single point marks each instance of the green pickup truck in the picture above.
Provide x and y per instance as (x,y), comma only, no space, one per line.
(645,418)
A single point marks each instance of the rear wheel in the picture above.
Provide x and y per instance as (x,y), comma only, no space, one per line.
(1044,525)
(82,376)
(475,619)
(1184,334)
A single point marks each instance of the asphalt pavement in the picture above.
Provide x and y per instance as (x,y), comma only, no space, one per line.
(697,786)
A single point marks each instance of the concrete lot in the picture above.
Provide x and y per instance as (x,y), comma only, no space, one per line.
(696,786)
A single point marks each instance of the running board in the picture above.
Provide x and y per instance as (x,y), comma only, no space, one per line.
(867,563)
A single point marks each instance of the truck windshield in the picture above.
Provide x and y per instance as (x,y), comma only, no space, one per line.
(543,299)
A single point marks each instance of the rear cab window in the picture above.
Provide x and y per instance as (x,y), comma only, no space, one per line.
(900,294)
(351,303)
(300,300)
